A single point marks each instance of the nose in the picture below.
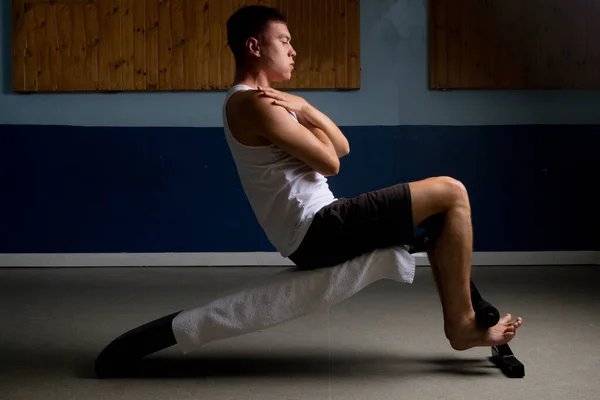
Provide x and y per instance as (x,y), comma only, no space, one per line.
(292,51)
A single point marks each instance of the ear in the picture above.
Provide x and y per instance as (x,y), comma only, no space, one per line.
(253,46)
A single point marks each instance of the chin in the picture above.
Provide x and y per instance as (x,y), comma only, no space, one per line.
(282,78)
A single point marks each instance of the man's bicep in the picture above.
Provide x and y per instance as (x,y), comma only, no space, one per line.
(279,127)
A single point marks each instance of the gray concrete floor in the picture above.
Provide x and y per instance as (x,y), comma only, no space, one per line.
(384,343)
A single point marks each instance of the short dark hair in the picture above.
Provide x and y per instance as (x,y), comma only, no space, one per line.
(247,22)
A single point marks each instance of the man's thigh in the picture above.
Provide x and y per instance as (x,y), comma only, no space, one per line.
(350,227)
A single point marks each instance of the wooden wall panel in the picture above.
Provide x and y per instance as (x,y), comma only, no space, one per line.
(19,44)
(33,57)
(171,45)
(326,36)
(514,44)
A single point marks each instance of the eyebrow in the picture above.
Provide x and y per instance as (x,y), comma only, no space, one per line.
(284,36)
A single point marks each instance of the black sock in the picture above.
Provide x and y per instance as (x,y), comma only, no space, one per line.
(121,356)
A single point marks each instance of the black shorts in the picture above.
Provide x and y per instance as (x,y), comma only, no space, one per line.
(348,228)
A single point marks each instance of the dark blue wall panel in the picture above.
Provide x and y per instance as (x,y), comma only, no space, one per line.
(105,189)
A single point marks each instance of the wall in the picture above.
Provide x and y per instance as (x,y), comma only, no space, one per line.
(151,172)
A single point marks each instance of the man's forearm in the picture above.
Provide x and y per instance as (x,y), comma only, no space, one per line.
(321,121)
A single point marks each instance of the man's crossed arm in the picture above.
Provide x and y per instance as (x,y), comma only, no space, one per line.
(316,140)
(314,120)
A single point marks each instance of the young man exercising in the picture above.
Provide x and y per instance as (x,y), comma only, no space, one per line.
(284,148)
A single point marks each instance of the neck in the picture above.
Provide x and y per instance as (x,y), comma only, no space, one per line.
(252,77)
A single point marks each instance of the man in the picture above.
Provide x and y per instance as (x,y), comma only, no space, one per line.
(284,148)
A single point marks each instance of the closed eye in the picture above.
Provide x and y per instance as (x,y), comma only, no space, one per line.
(286,38)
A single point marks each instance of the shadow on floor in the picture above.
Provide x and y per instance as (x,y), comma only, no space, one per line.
(338,366)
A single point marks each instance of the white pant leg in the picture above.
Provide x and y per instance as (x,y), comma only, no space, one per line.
(288,295)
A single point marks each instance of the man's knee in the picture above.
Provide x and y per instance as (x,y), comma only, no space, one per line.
(437,195)
(454,190)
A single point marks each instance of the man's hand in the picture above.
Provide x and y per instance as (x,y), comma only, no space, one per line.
(286,100)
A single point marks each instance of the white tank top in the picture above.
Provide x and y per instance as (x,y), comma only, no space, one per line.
(283,191)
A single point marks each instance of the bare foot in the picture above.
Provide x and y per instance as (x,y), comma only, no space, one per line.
(469,334)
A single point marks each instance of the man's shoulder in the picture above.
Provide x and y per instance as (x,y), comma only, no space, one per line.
(249,104)
(246,113)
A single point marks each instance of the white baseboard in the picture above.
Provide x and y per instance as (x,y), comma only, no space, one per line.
(269,259)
